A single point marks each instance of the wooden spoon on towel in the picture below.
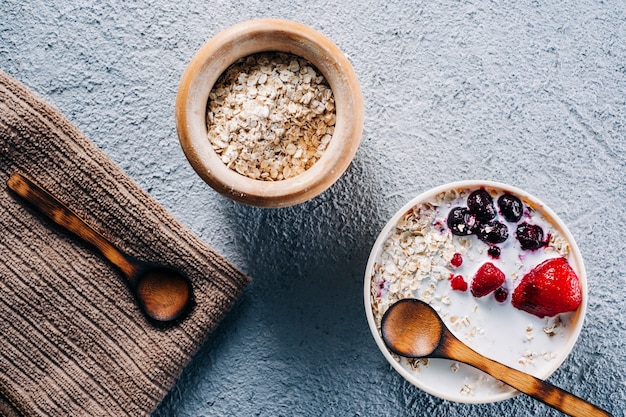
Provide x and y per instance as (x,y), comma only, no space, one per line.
(164,293)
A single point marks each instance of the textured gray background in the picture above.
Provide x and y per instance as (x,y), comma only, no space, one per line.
(528,93)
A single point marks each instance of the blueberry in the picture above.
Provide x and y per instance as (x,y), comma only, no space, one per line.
(511,207)
(492,232)
(530,236)
(480,204)
(460,221)
(494,252)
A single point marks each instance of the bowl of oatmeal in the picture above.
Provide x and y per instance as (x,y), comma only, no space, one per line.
(269,112)
(500,268)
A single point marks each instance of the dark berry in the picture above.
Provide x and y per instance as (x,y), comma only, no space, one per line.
(460,221)
(530,236)
(511,207)
(501,294)
(456,260)
(458,283)
(480,204)
(492,232)
(494,252)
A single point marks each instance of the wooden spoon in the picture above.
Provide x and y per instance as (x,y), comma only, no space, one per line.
(412,328)
(164,293)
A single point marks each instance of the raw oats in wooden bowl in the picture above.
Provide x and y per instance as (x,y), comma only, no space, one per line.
(269,113)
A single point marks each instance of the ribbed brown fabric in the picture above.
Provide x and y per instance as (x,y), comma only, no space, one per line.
(72,340)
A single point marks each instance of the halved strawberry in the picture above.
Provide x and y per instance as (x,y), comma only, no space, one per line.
(552,287)
(488,278)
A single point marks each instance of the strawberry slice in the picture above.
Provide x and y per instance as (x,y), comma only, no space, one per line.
(458,283)
(488,278)
(552,287)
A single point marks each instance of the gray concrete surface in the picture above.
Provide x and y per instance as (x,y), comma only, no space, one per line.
(528,93)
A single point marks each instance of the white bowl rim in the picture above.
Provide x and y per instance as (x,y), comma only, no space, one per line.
(470,184)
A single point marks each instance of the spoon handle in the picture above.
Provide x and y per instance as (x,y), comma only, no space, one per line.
(63,216)
(545,392)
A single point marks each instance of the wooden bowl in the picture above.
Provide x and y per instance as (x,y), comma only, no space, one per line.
(265,35)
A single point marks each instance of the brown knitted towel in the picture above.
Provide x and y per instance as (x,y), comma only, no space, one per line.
(72,340)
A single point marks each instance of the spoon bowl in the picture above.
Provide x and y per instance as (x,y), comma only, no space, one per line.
(412,328)
(163,293)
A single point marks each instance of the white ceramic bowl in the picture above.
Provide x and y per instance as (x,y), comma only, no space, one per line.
(245,39)
(497,330)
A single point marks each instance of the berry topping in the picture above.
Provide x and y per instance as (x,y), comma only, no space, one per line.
(488,278)
(501,294)
(480,204)
(460,221)
(494,252)
(456,260)
(511,207)
(380,285)
(492,232)
(552,287)
(458,283)
(530,236)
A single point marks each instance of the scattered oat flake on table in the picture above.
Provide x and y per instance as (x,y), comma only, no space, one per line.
(270,116)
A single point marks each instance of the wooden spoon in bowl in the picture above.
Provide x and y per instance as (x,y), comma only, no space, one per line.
(164,293)
(412,328)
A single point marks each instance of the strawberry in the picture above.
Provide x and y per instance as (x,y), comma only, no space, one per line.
(488,278)
(458,283)
(552,287)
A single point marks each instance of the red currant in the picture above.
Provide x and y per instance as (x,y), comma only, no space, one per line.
(501,294)
(456,260)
